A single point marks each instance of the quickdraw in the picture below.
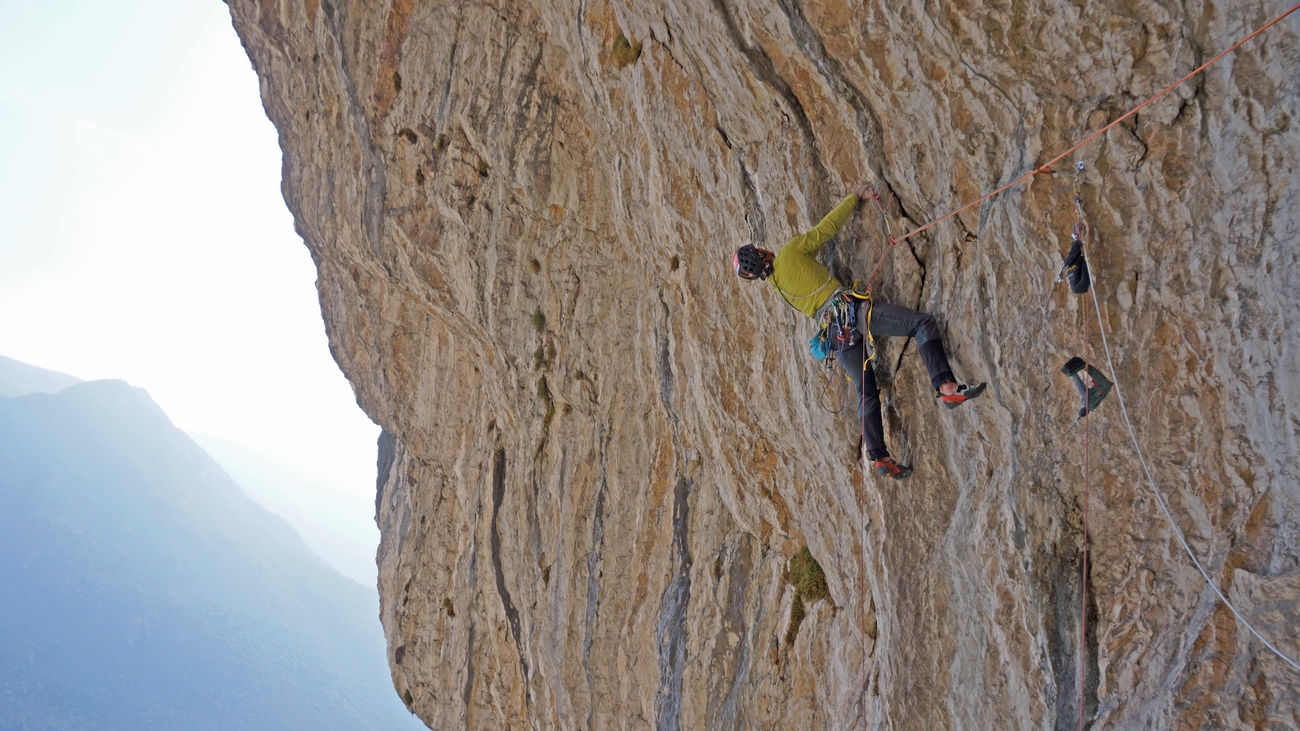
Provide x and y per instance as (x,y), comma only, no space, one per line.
(1075,266)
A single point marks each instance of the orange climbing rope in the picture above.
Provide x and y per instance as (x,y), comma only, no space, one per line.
(1045,167)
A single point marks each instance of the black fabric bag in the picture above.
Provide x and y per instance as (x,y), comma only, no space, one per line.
(1076,268)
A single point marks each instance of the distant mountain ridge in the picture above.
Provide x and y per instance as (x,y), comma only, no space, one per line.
(339,527)
(141,588)
(19,379)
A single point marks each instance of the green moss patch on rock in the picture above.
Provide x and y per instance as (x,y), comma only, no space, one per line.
(806,575)
(809,582)
(624,52)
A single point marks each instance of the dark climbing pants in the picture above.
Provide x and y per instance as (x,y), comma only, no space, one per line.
(891,321)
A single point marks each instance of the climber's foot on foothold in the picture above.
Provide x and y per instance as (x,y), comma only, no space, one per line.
(887,467)
(963,394)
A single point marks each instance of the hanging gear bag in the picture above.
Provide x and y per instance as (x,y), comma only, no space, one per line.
(1091,384)
(1075,267)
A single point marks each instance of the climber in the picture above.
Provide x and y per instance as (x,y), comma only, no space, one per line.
(848,321)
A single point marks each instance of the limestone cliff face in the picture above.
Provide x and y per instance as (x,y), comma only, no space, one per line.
(600,448)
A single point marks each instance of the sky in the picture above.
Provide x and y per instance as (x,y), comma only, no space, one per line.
(143,235)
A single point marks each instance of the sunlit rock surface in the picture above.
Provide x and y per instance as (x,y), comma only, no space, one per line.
(600,447)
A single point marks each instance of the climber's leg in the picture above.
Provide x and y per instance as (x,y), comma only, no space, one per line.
(887,320)
(892,320)
(873,428)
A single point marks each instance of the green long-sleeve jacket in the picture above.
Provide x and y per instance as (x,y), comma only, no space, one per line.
(797,275)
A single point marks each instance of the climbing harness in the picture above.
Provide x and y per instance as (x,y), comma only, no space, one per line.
(837,331)
(837,325)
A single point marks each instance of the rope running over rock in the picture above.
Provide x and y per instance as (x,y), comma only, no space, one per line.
(1119,394)
(1045,167)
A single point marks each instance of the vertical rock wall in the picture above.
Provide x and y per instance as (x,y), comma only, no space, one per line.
(600,447)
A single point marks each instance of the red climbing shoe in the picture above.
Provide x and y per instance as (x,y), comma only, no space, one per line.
(887,467)
(964,393)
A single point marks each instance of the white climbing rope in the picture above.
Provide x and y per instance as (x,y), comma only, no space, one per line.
(1119,394)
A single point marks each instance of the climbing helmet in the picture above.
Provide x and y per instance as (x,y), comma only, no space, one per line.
(751,262)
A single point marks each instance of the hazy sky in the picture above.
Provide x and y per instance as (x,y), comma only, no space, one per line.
(143,235)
